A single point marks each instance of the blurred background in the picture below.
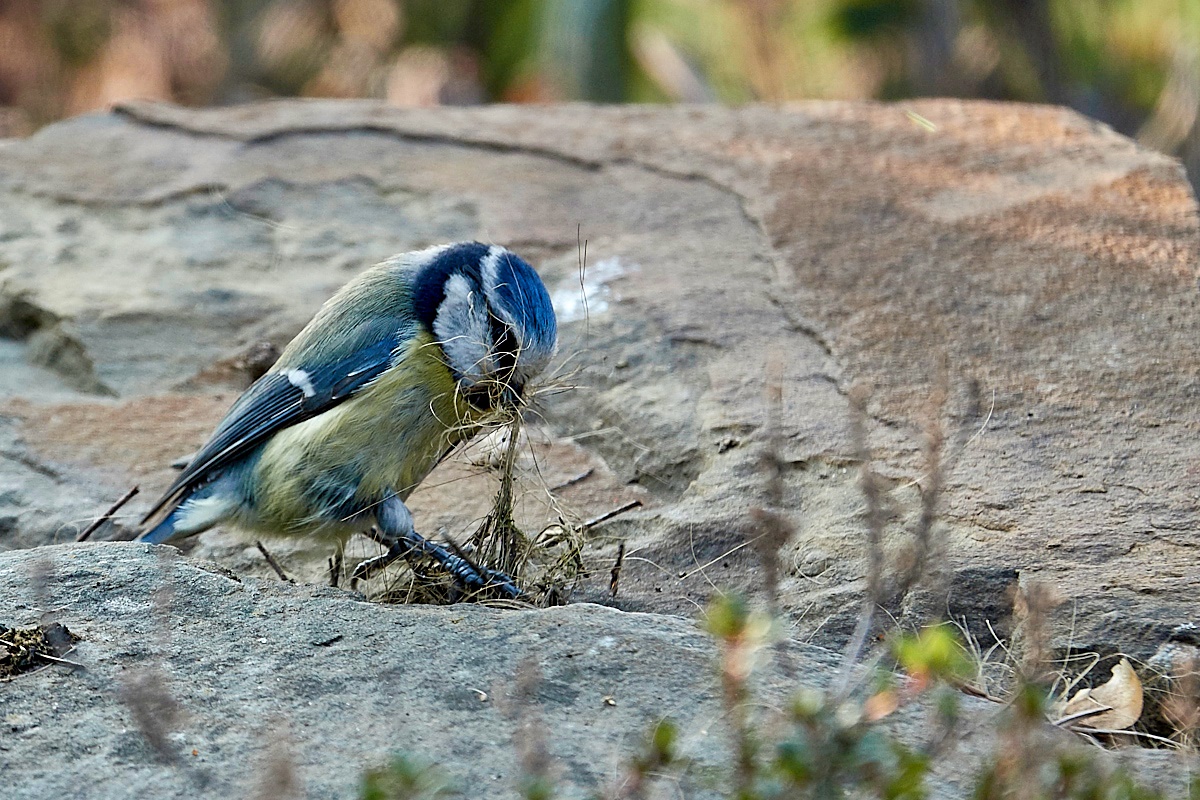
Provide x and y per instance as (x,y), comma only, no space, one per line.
(1133,64)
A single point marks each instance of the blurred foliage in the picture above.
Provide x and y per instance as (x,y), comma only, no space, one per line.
(1130,63)
(830,744)
(405,778)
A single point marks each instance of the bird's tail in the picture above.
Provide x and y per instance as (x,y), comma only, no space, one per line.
(199,511)
(161,532)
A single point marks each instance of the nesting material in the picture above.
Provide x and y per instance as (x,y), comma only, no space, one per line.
(547,566)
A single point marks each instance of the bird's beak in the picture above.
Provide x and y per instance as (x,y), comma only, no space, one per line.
(512,394)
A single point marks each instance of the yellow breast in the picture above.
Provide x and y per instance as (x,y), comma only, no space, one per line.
(386,438)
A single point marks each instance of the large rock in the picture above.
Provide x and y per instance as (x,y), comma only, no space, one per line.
(250,686)
(1047,265)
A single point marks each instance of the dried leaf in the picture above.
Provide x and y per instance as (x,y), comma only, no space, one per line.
(1122,693)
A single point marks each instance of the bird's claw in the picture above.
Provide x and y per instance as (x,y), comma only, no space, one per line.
(369,568)
(478,578)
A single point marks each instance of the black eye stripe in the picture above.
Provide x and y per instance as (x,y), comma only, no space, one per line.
(504,345)
(429,288)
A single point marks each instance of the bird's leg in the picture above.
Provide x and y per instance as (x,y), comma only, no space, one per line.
(395,530)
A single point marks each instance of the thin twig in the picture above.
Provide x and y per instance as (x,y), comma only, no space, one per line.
(58,660)
(587,473)
(975,691)
(274,564)
(1083,729)
(1092,712)
(605,517)
(34,671)
(689,573)
(872,491)
(775,528)
(581,253)
(335,566)
(615,580)
(107,515)
(924,543)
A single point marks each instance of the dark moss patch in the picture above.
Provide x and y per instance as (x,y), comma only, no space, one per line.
(27,649)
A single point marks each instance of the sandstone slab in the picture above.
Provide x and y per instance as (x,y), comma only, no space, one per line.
(1044,265)
(245,680)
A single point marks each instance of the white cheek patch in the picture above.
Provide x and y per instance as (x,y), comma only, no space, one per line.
(463,329)
(299,378)
(488,268)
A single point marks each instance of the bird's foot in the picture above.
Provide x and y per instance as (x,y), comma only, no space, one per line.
(475,577)
(469,577)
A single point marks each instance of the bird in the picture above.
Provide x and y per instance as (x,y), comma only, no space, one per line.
(405,362)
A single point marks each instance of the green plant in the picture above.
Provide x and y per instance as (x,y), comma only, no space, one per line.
(405,778)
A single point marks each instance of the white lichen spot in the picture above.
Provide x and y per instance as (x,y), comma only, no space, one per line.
(574,300)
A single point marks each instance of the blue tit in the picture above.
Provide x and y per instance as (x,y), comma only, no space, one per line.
(405,362)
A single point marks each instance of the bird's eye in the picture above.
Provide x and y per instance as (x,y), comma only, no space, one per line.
(505,348)
(499,388)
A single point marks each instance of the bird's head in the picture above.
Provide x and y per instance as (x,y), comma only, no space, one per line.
(492,317)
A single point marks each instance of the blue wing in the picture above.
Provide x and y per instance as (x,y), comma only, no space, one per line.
(289,394)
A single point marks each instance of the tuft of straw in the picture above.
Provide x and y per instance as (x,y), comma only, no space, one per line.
(547,566)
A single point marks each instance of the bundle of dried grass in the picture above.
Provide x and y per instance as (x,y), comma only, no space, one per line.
(547,565)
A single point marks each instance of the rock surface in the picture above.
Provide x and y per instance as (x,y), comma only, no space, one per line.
(1044,265)
(246,680)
